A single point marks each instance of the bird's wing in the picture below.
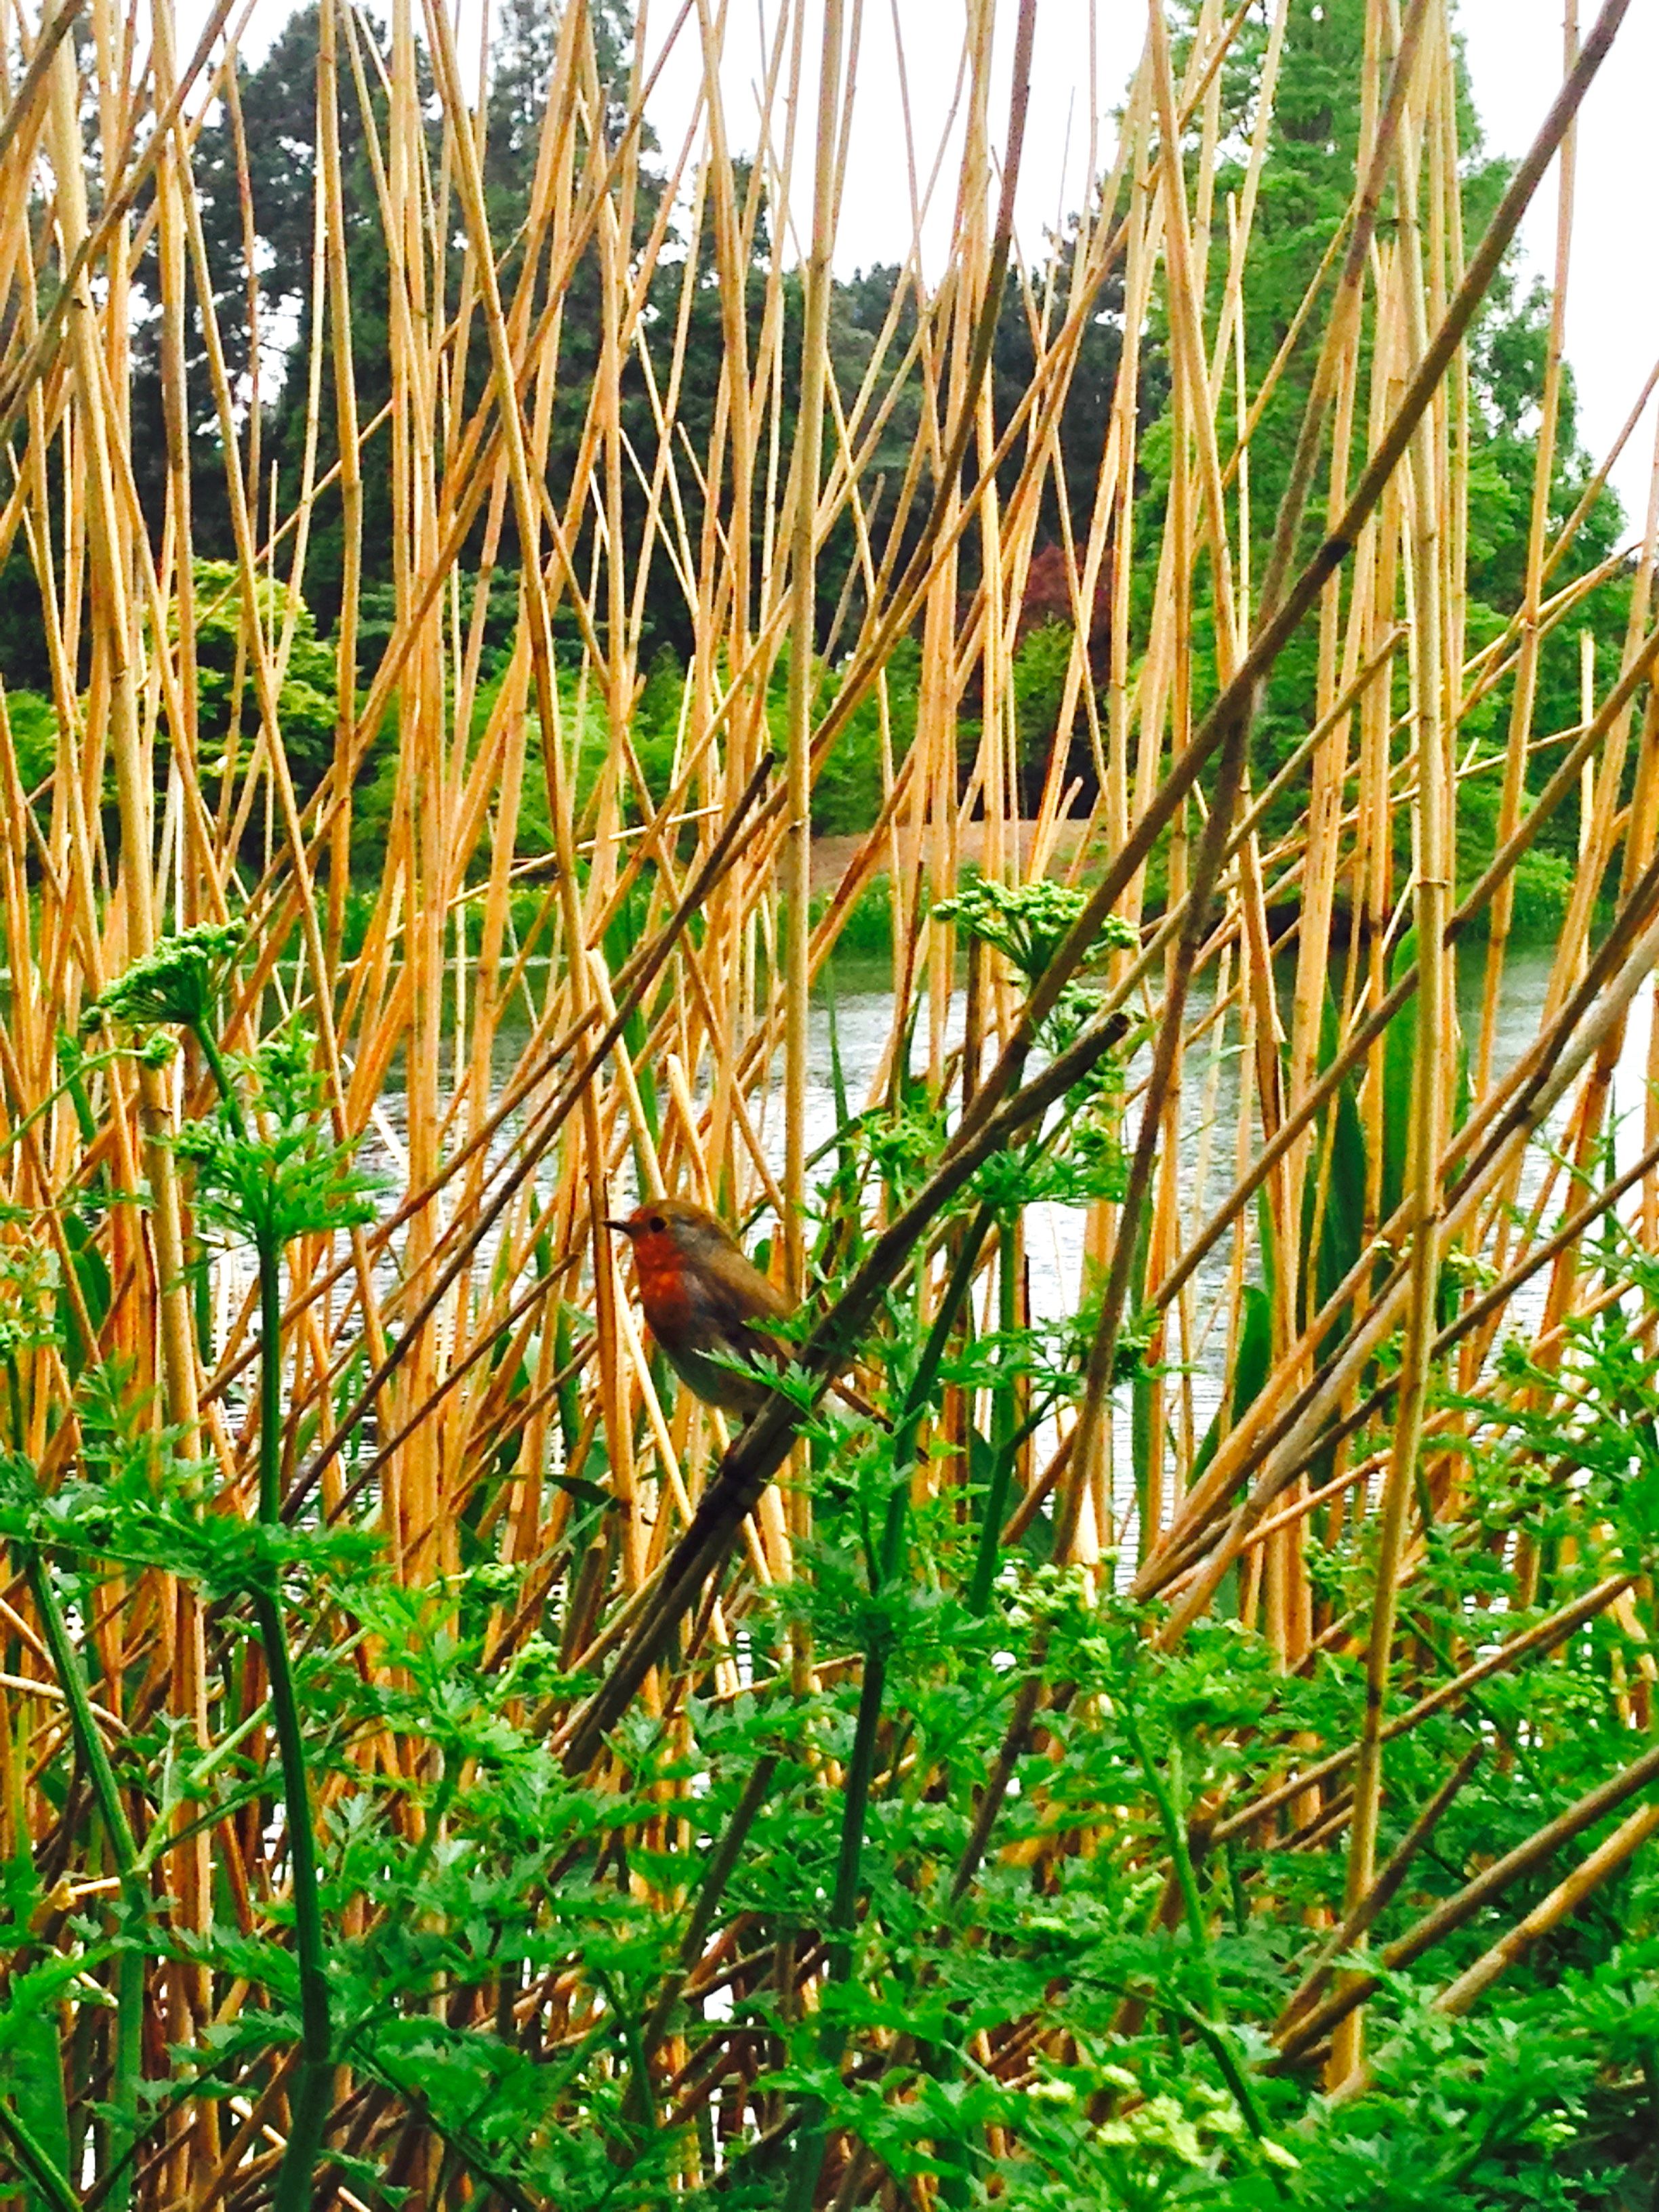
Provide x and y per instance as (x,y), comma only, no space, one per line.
(746,1297)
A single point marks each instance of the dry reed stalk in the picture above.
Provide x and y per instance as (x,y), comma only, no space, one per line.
(481,1321)
(1432,852)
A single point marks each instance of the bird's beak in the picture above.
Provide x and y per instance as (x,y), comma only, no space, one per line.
(620,1227)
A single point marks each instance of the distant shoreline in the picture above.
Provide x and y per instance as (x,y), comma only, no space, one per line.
(833,855)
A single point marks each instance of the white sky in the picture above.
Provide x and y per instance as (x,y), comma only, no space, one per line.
(1071,84)
(1515,57)
(1515,54)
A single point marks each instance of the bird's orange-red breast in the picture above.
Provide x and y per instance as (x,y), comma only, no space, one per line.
(707,1303)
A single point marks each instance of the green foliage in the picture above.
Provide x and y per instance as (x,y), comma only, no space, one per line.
(34,724)
(838,1812)
(847,790)
(1028,922)
(305,698)
(278,1175)
(177,982)
(657,718)
(867,932)
(1039,671)
(1543,888)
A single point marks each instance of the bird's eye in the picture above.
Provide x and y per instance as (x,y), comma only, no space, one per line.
(656,1225)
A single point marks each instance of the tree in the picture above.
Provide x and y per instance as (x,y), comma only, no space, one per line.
(1306,183)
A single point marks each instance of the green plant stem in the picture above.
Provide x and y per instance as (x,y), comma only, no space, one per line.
(135,1898)
(204,1035)
(72,1087)
(314,2084)
(1232,2073)
(1005,1431)
(908,1424)
(639,2104)
(861,1772)
(315,2087)
(33,2160)
(756,1792)
(270,1384)
(1181,1859)
(813,2138)
(1214,2041)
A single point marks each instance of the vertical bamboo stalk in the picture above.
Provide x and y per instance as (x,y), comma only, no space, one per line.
(1432,857)
(803,623)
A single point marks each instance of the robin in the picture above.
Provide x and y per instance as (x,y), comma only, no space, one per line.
(706,1301)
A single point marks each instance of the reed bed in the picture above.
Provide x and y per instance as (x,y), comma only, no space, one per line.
(436,1756)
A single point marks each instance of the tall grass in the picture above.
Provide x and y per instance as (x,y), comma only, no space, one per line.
(464,1374)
